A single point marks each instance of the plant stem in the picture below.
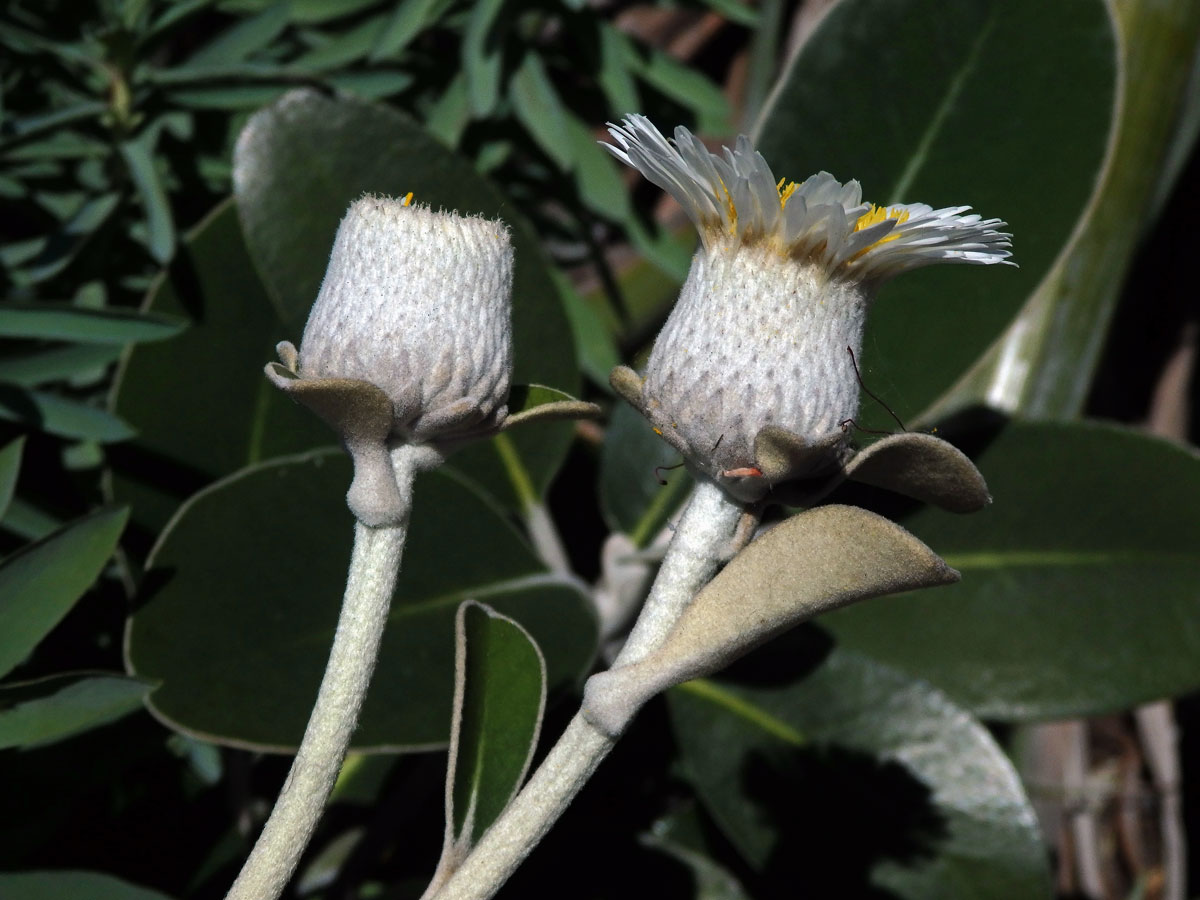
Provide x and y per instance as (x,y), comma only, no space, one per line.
(374,564)
(701,542)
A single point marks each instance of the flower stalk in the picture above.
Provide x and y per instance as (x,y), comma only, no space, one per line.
(374,566)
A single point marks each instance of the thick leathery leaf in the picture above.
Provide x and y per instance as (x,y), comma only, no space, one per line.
(1087,557)
(200,402)
(845,759)
(499,697)
(813,562)
(1005,105)
(240,655)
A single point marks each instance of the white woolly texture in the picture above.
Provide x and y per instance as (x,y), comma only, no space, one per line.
(419,304)
(755,340)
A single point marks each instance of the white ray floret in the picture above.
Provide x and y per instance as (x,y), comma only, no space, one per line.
(734,198)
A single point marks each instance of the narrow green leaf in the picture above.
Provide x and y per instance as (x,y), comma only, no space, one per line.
(617,56)
(409,19)
(342,49)
(1087,556)
(317,12)
(374,85)
(240,657)
(594,342)
(65,322)
(934,136)
(599,182)
(246,37)
(40,712)
(482,55)
(499,698)
(23,129)
(55,253)
(692,88)
(739,11)
(539,108)
(10,468)
(59,364)
(63,883)
(27,521)
(138,154)
(60,415)
(41,582)
(451,113)
(819,753)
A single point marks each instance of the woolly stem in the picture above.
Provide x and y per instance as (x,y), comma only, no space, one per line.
(374,564)
(702,540)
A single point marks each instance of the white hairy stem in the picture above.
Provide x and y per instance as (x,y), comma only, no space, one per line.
(374,565)
(701,543)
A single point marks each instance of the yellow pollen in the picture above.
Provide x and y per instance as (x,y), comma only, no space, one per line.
(785,190)
(877,214)
(729,207)
(407,199)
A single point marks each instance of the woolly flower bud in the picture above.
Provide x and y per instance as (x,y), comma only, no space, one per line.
(419,304)
(752,378)
(409,341)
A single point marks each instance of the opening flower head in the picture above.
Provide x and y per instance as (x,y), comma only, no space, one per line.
(752,378)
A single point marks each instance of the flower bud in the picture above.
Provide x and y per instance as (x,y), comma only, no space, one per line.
(409,341)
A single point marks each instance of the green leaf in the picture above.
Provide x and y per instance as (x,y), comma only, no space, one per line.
(342,49)
(138,154)
(201,403)
(40,712)
(692,88)
(600,186)
(64,322)
(738,11)
(409,19)
(483,56)
(55,414)
(1044,365)
(243,39)
(1087,556)
(594,343)
(62,883)
(819,560)
(499,697)
(58,364)
(539,109)
(240,656)
(617,56)
(299,164)
(41,582)
(801,759)
(54,254)
(10,467)
(934,135)
(632,461)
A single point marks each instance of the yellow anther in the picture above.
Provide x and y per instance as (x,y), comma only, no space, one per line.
(785,190)
(407,199)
